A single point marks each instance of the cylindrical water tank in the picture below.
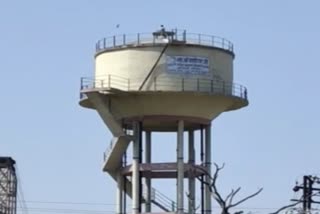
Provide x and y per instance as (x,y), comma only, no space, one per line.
(197,58)
(165,76)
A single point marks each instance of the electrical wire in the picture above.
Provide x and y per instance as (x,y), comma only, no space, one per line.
(70,203)
(65,210)
(114,204)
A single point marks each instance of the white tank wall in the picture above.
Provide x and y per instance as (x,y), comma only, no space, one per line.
(136,63)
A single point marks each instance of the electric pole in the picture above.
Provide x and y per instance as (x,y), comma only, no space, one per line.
(308,192)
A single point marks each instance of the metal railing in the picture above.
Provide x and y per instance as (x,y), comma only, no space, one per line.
(160,198)
(137,39)
(109,148)
(173,84)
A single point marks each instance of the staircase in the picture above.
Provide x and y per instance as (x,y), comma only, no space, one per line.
(113,159)
(117,148)
(161,200)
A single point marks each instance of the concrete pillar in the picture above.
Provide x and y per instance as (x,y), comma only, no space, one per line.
(140,161)
(192,182)
(119,194)
(180,166)
(202,163)
(135,169)
(208,199)
(148,180)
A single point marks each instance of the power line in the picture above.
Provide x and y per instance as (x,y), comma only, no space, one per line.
(69,203)
(64,210)
(114,204)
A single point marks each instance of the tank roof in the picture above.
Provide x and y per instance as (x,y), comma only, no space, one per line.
(161,37)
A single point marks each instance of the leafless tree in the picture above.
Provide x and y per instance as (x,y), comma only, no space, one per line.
(286,207)
(228,202)
(294,204)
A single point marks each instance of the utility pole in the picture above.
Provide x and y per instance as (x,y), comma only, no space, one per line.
(308,191)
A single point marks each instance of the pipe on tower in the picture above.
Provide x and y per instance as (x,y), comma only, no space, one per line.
(202,163)
(119,193)
(180,166)
(192,186)
(148,179)
(140,161)
(135,169)
(208,199)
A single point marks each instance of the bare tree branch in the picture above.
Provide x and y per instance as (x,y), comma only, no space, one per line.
(230,195)
(226,203)
(215,176)
(246,198)
(231,199)
(286,207)
(212,185)
(293,204)
(214,194)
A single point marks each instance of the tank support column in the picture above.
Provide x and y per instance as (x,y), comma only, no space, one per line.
(180,166)
(208,198)
(148,179)
(135,169)
(120,194)
(192,186)
(202,163)
(140,161)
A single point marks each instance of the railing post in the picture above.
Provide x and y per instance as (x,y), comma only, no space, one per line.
(213,41)
(199,39)
(104,43)
(124,39)
(222,42)
(109,81)
(138,38)
(153,194)
(184,35)
(94,83)
(245,94)
(81,87)
(172,206)
(114,41)
(81,83)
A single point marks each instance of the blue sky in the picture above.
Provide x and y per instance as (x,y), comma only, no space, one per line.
(46,46)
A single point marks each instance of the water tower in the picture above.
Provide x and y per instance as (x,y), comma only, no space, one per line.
(165,81)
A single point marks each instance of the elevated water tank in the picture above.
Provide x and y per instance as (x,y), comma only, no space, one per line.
(165,75)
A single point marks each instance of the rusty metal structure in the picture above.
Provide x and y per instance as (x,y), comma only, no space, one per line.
(8,186)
